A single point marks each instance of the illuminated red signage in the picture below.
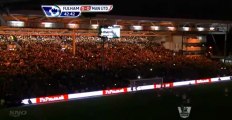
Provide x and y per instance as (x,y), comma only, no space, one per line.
(51,98)
(114,91)
(156,86)
(201,81)
(167,85)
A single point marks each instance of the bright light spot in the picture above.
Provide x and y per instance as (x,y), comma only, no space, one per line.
(136,27)
(139,77)
(155,28)
(200,29)
(73,25)
(151,69)
(186,28)
(212,28)
(171,28)
(115,84)
(210,47)
(200,37)
(94,26)
(47,24)
(16,23)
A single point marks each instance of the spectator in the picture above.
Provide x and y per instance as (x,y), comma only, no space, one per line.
(44,65)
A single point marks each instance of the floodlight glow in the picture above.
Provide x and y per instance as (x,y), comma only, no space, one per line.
(94,26)
(155,28)
(200,28)
(199,37)
(47,24)
(171,28)
(73,25)
(186,28)
(136,27)
(16,23)
(212,28)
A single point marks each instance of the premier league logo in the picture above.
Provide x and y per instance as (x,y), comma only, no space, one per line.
(55,11)
(184,111)
(51,11)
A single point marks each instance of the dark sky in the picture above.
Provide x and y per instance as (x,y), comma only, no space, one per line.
(196,9)
(179,8)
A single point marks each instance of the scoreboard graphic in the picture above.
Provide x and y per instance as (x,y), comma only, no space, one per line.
(73,11)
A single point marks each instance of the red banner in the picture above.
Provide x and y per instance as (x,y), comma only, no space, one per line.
(167,85)
(156,86)
(51,98)
(114,91)
(202,81)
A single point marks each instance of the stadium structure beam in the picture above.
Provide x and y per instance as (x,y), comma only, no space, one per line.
(225,44)
(104,39)
(225,41)
(3,22)
(182,42)
(216,33)
(74,43)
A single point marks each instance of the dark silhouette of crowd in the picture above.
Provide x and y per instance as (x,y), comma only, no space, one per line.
(32,66)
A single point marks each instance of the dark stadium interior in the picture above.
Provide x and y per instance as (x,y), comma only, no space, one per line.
(161,41)
(197,9)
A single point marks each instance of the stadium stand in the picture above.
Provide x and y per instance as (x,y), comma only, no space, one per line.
(43,65)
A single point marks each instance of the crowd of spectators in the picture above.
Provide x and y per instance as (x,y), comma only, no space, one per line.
(45,65)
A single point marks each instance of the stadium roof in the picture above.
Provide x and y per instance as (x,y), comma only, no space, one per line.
(158,19)
(123,14)
(216,9)
(38,16)
(126,22)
